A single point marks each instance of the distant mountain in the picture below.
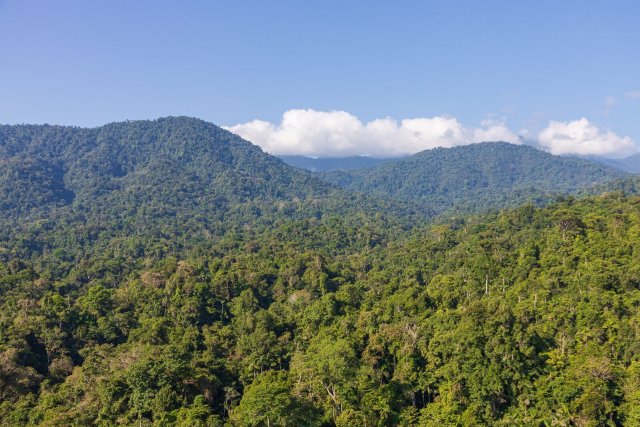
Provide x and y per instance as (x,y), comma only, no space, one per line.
(329,164)
(168,272)
(165,178)
(629,164)
(476,177)
(179,157)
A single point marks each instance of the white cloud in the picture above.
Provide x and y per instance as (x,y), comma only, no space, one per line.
(634,94)
(492,130)
(583,138)
(338,133)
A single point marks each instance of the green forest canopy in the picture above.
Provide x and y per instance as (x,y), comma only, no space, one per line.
(477,177)
(129,300)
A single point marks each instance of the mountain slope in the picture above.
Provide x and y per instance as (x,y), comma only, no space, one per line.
(529,317)
(476,177)
(133,155)
(629,164)
(169,273)
(166,179)
(329,164)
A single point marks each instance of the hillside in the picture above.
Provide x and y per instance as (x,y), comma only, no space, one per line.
(329,164)
(167,272)
(629,164)
(476,177)
(56,165)
(524,318)
(165,179)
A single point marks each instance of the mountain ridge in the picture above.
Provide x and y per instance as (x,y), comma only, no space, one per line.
(630,164)
(169,177)
(159,273)
(477,176)
(324,164)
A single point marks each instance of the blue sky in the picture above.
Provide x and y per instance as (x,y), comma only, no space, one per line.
(520,64)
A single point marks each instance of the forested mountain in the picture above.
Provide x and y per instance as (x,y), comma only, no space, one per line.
(476,177)
(46,166)
(629,164)
(168,273)
(175,180)
(328,164)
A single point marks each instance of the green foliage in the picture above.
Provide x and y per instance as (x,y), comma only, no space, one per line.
(178,182)
(477,177)
(292,303)
(329,164)
(528,317)
(268,401)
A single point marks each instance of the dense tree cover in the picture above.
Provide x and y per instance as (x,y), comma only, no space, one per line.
(629,164)
(176,181)
(337,163)
(146,168)
(529,317)
(168,273)
(477,177)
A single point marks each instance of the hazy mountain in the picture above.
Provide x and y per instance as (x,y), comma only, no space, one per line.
(476,177)
(329,164)
(629,164)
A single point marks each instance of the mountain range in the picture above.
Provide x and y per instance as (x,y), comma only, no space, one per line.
(167,272)
(178,175)
(176,165)
(168,178)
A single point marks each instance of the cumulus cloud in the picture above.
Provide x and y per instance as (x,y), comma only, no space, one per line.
(338,133)
(634,94)
(583,138)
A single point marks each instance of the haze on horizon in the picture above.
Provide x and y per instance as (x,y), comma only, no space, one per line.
(334,79)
